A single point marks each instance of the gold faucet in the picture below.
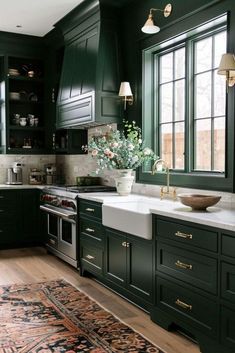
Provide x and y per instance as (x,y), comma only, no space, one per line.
(168,190)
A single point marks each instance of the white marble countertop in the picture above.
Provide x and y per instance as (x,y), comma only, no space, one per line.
(22,186)
(220,216)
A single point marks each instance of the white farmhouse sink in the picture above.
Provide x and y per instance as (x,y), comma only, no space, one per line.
(132,217)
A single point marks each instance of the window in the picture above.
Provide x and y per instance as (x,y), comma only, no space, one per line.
(185,115)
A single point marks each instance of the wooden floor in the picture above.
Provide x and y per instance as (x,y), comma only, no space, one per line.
(35,265)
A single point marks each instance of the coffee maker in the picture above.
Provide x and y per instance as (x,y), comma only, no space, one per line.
(14,174)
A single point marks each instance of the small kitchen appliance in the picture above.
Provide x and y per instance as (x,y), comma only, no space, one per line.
(14,174)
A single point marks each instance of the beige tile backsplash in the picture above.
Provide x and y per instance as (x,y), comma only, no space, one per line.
(72,166)
(33,161)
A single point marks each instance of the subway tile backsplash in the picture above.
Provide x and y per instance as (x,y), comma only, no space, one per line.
(30,161)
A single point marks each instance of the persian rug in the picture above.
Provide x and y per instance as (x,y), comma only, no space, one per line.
(55,317)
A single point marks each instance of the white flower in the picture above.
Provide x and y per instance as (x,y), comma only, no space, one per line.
(140,141)
(106,151)
(147,151)
(115,144)
(135,159)
(130,147)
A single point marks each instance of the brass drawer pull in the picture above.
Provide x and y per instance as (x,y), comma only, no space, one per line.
(88,209)
(90,230)
(89,257)
(127,245)
(52,241)
(180,264)
(183,235)
(124,244)
(183,305)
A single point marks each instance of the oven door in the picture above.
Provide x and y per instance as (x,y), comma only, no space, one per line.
(67,242)
(52,230)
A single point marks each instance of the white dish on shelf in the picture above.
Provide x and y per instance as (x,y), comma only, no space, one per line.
(14,95)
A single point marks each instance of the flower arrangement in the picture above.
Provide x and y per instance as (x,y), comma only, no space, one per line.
(120,149)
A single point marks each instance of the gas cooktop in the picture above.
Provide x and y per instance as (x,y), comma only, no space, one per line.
(80,189)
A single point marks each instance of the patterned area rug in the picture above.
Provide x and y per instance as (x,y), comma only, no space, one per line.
(54,317)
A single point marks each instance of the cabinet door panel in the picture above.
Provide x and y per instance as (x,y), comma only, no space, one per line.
(116,257)
(228,281)
(228,327)
(140,267)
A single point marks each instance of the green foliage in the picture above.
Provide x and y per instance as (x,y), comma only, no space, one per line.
(120,149)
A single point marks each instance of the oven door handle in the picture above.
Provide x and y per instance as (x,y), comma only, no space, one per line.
(58,213)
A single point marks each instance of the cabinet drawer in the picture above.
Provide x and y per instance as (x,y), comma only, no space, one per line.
(188,306)
(228,327)
(228,281)
(195,269)
(91,209)
(228,245)
(91,229)
(187,234)
(91,256)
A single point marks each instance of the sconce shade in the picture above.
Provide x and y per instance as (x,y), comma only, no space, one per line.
(125,89)
(149,26)
(227,63)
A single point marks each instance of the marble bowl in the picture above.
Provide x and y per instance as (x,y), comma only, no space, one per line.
(198,201)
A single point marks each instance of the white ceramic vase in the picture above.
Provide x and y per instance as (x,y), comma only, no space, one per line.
(124,181)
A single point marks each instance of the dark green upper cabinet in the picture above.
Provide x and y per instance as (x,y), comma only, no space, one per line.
(90,79)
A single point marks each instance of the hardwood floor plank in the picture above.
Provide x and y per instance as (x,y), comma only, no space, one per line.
(36,265)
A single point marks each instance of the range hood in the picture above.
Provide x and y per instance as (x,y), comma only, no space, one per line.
(90,78)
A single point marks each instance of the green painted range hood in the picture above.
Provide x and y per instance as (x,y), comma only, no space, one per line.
(90,79)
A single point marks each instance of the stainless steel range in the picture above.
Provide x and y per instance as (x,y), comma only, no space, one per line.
(61,208)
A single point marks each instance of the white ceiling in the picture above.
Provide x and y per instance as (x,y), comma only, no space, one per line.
(36,17)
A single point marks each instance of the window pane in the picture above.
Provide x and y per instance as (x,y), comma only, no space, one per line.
(179,100)
(166,103)
(179,69)
(179,146)
(203,95)
(220,47)
(166,143)
(219,144)
(203,144)
(203,54)
(219,94)
(166,67)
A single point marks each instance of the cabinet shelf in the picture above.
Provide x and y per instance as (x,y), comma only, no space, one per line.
(26,79)
(24,101)
(26,128)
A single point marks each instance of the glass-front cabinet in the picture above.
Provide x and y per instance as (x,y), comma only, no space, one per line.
(24,105)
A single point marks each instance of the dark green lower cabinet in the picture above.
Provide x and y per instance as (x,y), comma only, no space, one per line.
(129,264)
(19,218)
(116,253)
(195,282)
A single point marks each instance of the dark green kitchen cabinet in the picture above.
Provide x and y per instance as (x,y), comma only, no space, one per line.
(116,257)
(19,218)
(91,238)
(129,263)
(195,282)
(90,79)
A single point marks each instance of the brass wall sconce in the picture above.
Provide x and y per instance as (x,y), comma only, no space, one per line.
(149,26)
(227,68)
(126,93)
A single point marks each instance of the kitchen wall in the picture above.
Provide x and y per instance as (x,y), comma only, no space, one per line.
(33,161)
